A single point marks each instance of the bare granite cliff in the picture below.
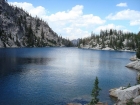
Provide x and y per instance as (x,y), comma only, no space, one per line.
(19,29)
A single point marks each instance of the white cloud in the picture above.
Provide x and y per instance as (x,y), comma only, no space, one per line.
(39,11)
(135,22)
(122,5)
(111,26)
(74,13)
(125,15)
(76,33)
(130,15)
(70,23)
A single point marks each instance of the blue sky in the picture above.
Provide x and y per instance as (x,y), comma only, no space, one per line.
(78,18)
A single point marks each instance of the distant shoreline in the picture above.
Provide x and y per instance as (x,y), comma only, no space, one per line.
(108,49)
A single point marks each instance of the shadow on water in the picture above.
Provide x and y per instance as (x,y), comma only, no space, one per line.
(83,100)
(10,65)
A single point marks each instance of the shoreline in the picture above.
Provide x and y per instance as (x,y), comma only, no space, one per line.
(130,94)
(70,47)
(124,95)
(108,49)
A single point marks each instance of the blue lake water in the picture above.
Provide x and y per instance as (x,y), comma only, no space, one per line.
(56,76)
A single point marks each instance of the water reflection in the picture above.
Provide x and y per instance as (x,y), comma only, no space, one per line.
(10,65)
(56,76)
(36,61)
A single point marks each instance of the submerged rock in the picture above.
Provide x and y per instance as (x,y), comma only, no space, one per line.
(100,103)
(74,104)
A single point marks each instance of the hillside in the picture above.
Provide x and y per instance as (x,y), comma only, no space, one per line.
(111,40)
(19,29)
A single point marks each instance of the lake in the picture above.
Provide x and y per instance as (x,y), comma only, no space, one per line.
(56,76)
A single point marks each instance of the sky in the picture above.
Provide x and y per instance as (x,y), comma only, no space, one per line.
(74,19)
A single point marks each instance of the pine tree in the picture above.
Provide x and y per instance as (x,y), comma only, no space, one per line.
(95,92)
(42,33)
(138,52)
(111,32)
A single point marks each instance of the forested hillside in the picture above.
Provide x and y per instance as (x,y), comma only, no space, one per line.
(19,29)
(111,39)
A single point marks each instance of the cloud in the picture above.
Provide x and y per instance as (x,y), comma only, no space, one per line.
(125,15)
(122,5)
(75,12)
(135,22)
(111,26)
(76,33)
(70,23)
(39,11)
(131,15)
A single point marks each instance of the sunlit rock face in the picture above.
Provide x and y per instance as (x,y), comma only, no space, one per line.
(125,94)
(19,29)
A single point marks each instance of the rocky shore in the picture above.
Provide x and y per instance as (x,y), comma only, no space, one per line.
(99,103)
(128,95)
(124,95)
(134,64)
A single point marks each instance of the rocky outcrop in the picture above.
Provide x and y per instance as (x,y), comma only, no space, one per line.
(135,64)
(137,99)
(107,48)
(110,40)
(99,103)
(124,94)
(19,29)
(133,58)
(129,95)
(113,92)
(138,76)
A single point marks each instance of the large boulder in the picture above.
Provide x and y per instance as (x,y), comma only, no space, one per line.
(137,99)
(107,48)
(113,92)
(138,76)
(100,103)
(132,64)
(137,65)
(133,58)
(125,94)
(128,93)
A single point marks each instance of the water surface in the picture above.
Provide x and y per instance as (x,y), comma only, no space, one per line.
(56,76)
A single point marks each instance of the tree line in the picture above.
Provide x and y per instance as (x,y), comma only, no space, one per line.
(115,39)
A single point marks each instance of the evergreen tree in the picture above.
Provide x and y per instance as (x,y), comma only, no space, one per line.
(42,33)
(111,32)
(95,92)
(138,52)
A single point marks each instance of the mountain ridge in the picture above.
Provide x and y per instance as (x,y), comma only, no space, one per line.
(19,29)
